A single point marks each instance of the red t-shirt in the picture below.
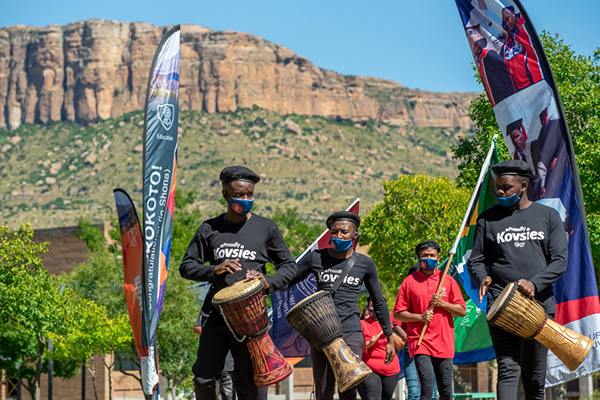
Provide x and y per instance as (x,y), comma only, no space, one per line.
(374,356)
(414,296)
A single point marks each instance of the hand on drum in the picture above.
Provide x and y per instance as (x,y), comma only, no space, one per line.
(427,316)
(252,274)
(483,288)
(229,266)
(526,287)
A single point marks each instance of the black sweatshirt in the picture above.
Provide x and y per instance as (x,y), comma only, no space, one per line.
(254,242)
(520,244)
(327,269)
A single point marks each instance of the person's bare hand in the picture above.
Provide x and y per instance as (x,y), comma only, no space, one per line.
(553,164)
(374,339)
(229,266)
(542,192)
(483,288)
(390,352)
(427,316)
(526,287)
(253,274)
(437,300)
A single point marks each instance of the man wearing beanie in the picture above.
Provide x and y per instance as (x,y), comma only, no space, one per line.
(226,249)
(330,266)
(433,357)
(524,242)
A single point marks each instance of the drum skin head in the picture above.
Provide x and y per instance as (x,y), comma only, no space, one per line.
(308,299)
(238,289)
(500,300)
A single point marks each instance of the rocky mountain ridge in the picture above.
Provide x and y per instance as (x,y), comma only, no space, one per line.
(51,175)
(97,70)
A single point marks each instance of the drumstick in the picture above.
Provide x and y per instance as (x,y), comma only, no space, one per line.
(439,289)
(376,337)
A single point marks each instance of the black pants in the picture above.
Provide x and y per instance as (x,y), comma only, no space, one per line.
(429,368)
(516,355)
(216,340)
(323,373)
(378,387)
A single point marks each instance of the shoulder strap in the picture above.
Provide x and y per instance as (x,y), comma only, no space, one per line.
(345,271)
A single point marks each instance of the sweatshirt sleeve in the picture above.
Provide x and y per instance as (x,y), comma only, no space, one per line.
(304,269)
(192,267)
(556,257)
(279,254)
(379,304)
(476,264)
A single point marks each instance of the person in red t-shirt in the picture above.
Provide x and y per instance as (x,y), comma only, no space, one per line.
(382,382)
(418,291)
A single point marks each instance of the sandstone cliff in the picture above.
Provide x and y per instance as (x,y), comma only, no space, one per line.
(95,70)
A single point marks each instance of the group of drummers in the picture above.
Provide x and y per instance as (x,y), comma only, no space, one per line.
(355,355)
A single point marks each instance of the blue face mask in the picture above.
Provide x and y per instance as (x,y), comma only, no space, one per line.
(340,245)
(430,263)
(508,201)
(372,314)
(241,206)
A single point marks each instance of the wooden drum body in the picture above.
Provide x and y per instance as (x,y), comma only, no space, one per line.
(244,309)
(521,316)
(317,321)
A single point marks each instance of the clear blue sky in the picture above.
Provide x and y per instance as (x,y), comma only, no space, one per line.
(417,43)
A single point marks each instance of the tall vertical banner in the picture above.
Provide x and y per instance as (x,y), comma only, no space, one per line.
(133,259)
(289,342)
(519,83)
(160,169)
(146,251)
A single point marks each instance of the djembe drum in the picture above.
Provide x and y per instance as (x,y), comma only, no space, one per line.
(516,313)
(244,309)
(317,321)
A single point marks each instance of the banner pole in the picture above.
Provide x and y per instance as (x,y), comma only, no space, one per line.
(482,174)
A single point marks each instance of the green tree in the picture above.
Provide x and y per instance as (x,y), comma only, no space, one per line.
(95,334)
(415,208)
(33,307)
(177,342)
(297,234)
(578,81)
(100,279)
(20,350)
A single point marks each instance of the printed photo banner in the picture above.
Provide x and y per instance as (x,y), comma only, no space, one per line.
(159,177)
(518,81)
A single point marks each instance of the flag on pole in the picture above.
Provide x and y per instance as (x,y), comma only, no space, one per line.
(146,272)
(472,341)
(471,336)
(519,83)
(485,198)
(289,342)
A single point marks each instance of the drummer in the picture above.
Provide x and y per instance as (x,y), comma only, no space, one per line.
(226,249)
(328,266)
(524,242)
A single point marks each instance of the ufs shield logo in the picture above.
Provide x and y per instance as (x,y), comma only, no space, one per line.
(165,115)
